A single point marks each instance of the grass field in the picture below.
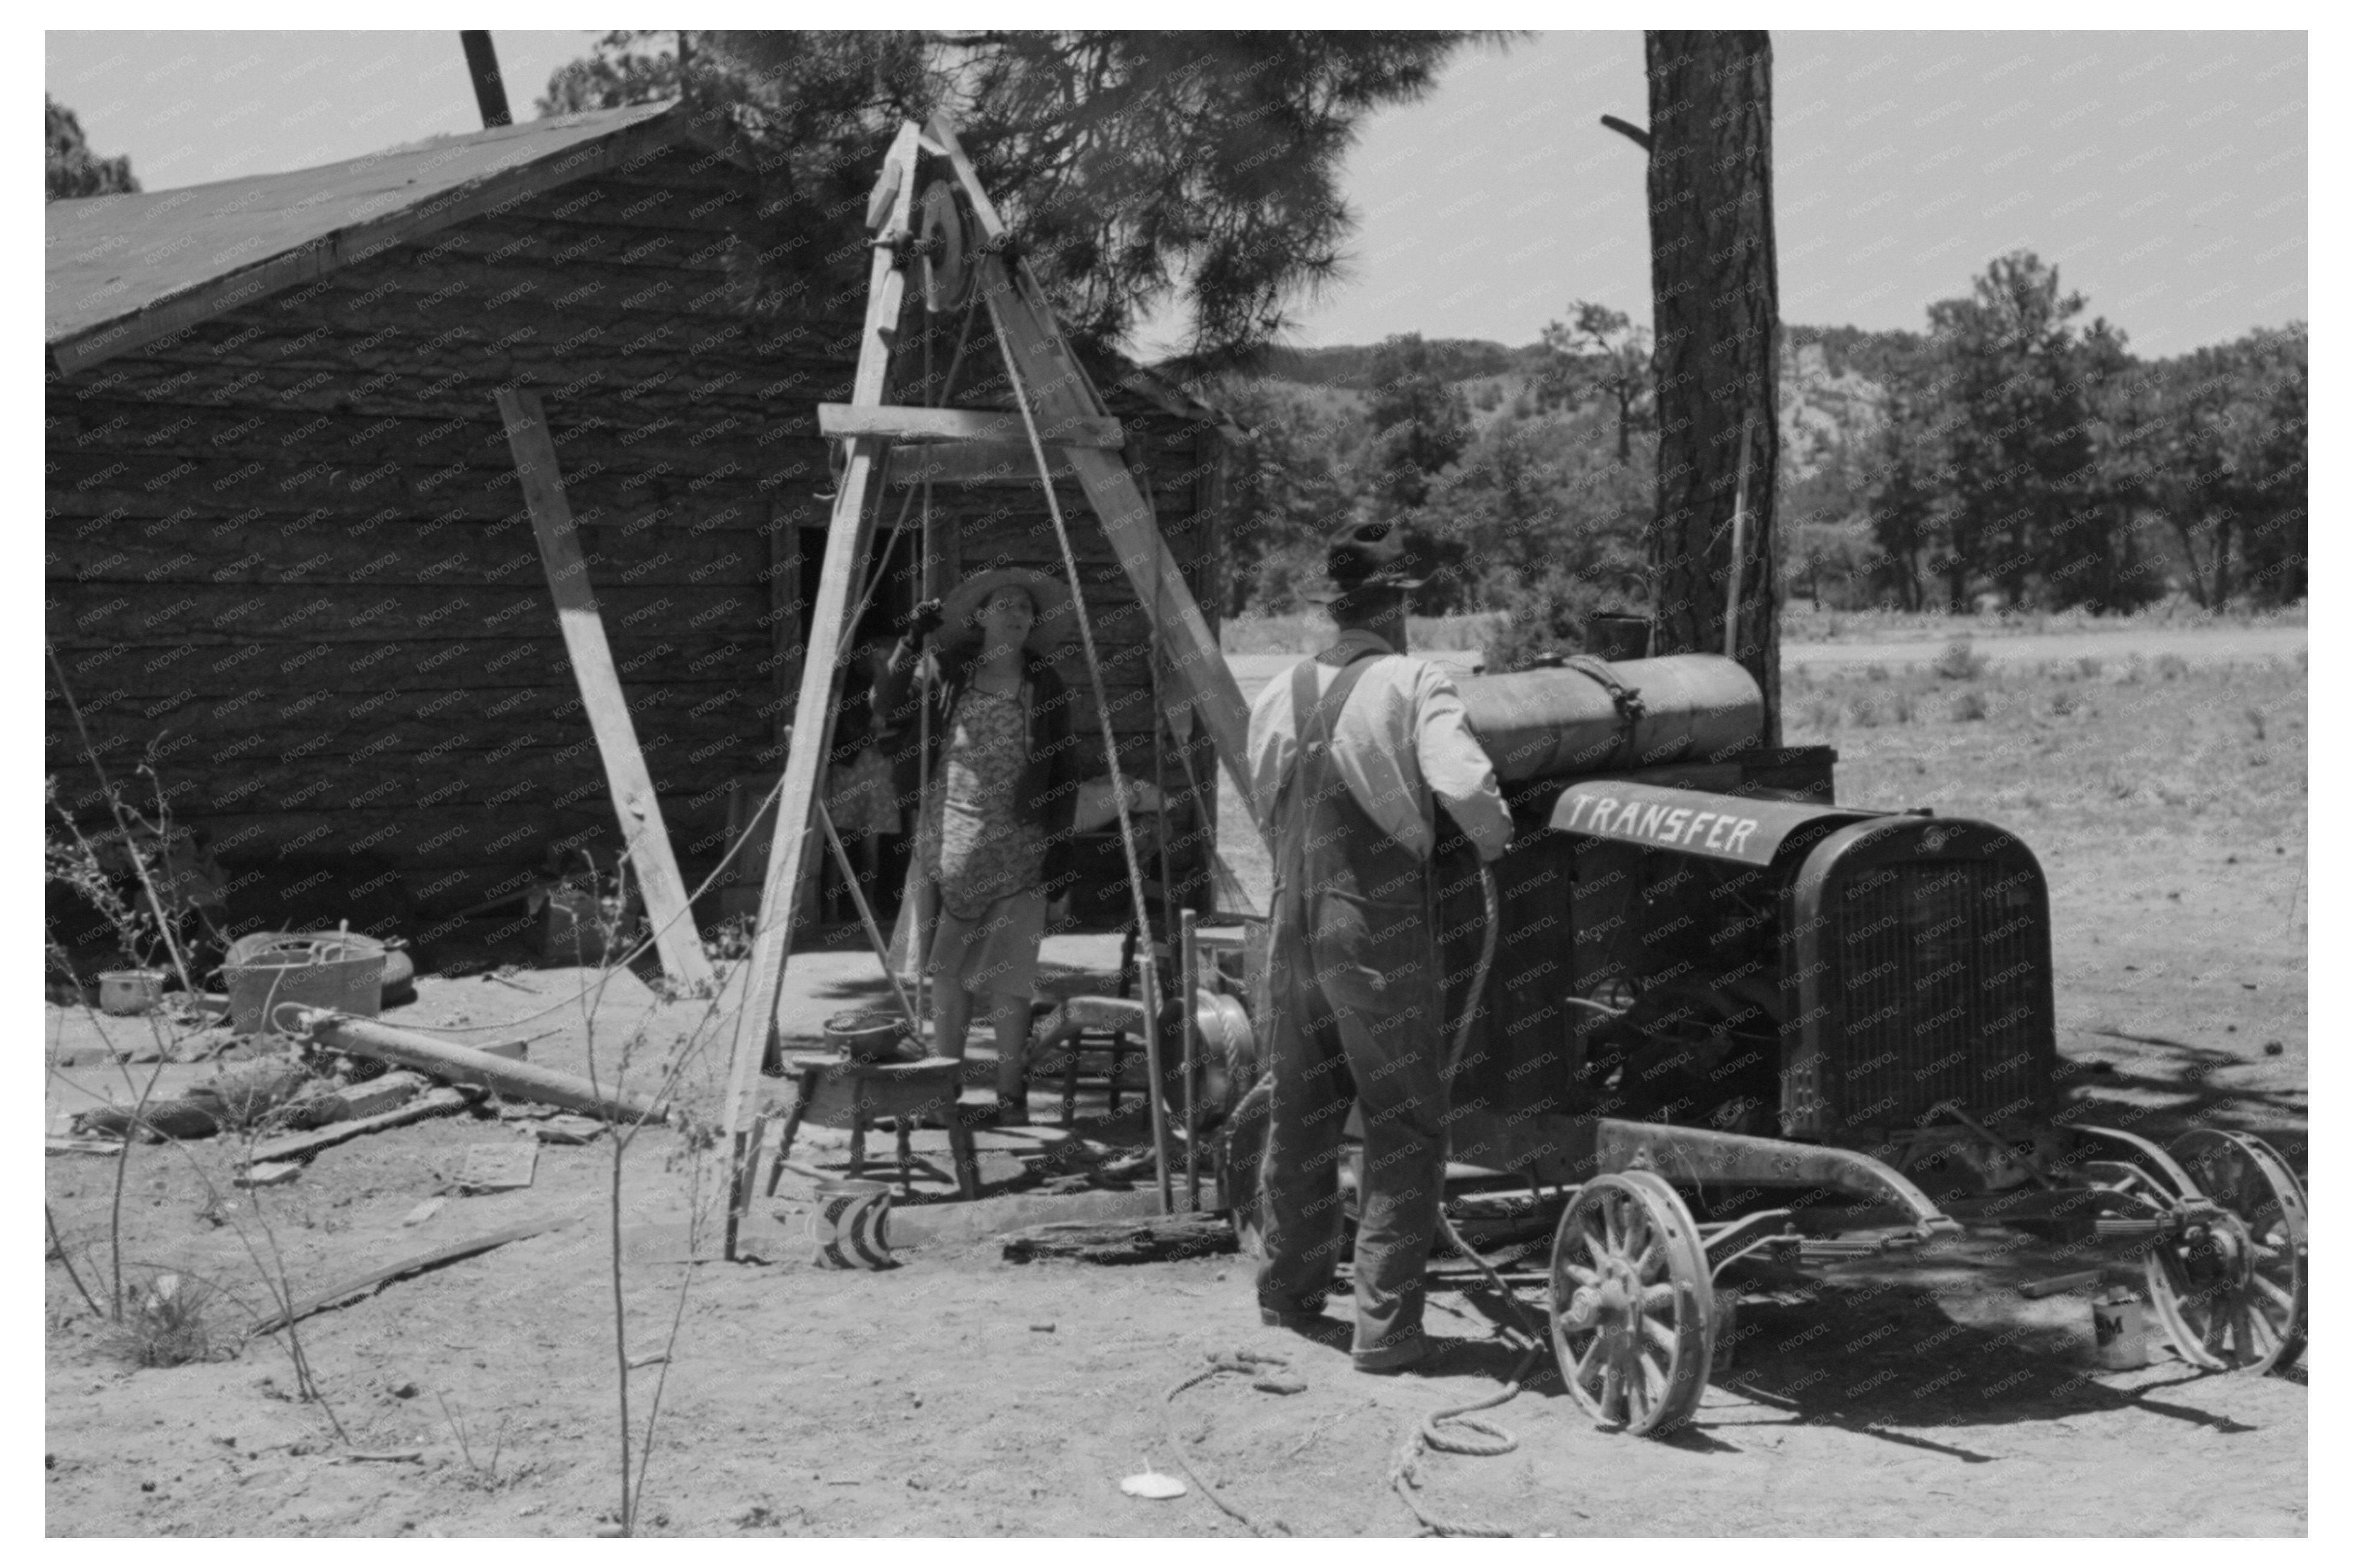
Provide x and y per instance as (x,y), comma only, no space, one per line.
(1800,622)
(1803,622)
(2166,799)
(1304,633)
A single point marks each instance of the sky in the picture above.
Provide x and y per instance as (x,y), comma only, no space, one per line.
(2164,174)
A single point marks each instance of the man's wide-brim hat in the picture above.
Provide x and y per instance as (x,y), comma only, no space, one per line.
(1366,555)
(1050,599)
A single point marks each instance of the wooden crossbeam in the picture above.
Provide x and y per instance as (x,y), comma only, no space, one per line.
(902,423)
(675,938)
(846,541)
(1063,392)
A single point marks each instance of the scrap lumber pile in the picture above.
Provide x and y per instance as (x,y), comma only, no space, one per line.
(385,1077)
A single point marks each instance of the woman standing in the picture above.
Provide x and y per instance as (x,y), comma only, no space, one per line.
(1005,784)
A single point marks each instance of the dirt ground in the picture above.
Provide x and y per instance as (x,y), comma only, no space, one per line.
(960,1393)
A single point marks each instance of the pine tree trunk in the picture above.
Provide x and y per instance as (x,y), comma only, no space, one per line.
(1715,309)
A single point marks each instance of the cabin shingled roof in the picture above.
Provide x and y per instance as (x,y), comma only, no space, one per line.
(124,270)
(127,270)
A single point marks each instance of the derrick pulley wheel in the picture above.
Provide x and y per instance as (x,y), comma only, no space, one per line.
(941,229)
(2230,1282)
(1633,1305)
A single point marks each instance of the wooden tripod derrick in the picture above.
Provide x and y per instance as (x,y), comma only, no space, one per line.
(1062,421)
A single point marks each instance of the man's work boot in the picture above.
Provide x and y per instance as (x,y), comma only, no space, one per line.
(1404,1354)
(1298,1319)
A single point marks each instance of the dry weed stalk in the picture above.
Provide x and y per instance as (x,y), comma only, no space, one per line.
(636,1453)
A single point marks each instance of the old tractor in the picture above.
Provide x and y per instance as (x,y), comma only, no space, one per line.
(1830,1025)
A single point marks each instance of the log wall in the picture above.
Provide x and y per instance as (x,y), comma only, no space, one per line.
(289,565)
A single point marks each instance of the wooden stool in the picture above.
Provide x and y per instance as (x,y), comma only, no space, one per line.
(835,1091)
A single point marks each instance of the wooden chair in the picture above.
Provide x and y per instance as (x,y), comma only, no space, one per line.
(1109,1029)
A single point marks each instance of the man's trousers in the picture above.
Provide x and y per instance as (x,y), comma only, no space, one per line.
(1357,1014)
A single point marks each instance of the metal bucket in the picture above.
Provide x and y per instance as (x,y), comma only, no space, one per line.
(343,971)
(868,1036)
(850,1226)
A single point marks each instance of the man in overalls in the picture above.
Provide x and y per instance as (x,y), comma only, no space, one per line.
(1347,750)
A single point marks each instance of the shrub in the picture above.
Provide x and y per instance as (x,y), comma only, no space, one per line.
(1546,618)
(166,1325)
(1960,662)
(2171,666)
(1969,708)
(2090,668)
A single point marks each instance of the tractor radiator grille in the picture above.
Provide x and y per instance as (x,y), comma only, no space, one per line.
(1942,968)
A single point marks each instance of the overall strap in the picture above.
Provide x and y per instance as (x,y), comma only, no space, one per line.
(1313,719)
(1304,774)
(1313,756)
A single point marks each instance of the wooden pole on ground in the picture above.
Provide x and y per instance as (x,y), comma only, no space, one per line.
(464,1065)
(846,544)
(679,943)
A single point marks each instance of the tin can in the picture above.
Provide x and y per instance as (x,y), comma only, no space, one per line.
(127,993)
(2119,1333)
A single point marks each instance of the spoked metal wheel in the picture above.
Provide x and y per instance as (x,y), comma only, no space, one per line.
(2230,1287)
(1631,1308)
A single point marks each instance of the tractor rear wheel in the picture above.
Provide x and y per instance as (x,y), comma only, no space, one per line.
(2233,1290)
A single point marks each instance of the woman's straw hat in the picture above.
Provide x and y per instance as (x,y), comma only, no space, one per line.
(1055,618)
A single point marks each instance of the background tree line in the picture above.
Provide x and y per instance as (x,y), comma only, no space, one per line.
(2010,451)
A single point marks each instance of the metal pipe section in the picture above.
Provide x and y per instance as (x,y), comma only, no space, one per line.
(1550,724)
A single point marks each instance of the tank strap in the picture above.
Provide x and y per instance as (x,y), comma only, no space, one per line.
(1626,699)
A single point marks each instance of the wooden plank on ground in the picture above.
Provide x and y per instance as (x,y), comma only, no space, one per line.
(302,1144)
(679,943)
(899,422)
(845,548)
(336,1295)
(1157,1239)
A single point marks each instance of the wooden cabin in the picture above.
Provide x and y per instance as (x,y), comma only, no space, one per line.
(290,566)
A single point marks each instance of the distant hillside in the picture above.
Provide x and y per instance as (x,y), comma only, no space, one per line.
(1833,383)
(1350,366)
